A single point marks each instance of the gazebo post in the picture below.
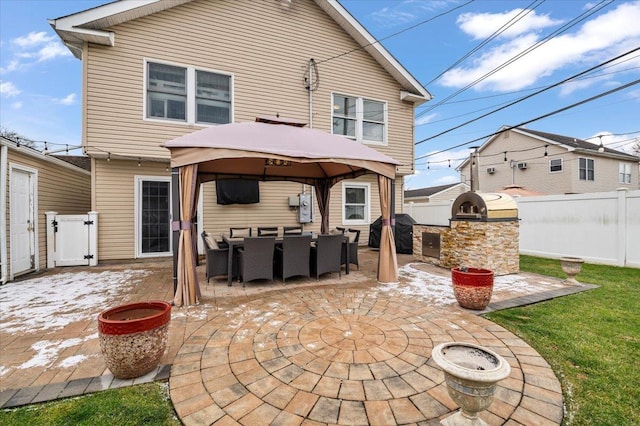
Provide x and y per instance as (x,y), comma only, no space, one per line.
(175,218)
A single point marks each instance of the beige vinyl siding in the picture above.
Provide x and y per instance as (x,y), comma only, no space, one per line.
(273,209)
(264,45)
(537,176)
(266,48)
(60,188)
(447,195)
(116,204)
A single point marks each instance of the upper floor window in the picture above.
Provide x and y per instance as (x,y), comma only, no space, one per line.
(625,173)
(355,203)
(586,169)
(360,119)
(186,94)
(555,165)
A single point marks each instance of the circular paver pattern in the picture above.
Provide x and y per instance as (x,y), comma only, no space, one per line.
(332,356)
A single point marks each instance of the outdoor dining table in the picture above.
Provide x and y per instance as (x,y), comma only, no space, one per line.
(237,242)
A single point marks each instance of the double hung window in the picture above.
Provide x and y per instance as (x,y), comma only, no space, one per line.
(356,203)
(586,169)
(360,119)
(186,94)
(555,165)
(625,173)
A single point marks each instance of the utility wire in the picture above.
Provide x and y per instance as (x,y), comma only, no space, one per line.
(377,41)
(540,117)
(528,50)
(523,12)
(529,96)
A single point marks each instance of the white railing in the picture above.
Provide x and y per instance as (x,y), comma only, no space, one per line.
(602,227)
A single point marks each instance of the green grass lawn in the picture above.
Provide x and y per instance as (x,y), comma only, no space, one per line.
(591,340)
(146,404)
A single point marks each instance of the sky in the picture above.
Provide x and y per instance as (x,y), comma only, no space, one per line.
(474,57)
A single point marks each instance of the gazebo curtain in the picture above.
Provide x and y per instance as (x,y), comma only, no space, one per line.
(323,189)
(387,259)
(188,288)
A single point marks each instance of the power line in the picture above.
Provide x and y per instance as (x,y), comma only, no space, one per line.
(376,41)
(528,96)
(523,12)
(540,117)
(528,50)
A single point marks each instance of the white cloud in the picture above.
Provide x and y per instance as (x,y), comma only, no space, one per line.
(16,105)
(70,99)
(33,39)
(9,90)
(599,39)
(445,180)
(51,51)
(32,48)
(407,12)
(482,25)
(425,119)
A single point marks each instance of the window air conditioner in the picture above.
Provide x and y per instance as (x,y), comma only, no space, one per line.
(491,170)
(522,166)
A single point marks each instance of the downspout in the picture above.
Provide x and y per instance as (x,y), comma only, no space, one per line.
(3,212)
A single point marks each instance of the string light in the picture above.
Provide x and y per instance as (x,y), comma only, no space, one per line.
(449,163)
(505,156)
(138,162)
(108,156)
(46,150)
(601,148)
(545,150)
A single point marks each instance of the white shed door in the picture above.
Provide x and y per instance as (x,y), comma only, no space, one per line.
(72,240)
(22,221)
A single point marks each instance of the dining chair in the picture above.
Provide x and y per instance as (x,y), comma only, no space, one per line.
(292,230)
(240,232)
(325,256)
(255,259)
(267,230)
(292,258)
(351,244)
(216,258)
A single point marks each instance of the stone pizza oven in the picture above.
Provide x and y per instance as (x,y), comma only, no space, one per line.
(483,232)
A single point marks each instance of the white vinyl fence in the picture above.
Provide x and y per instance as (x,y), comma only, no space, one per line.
(602,227)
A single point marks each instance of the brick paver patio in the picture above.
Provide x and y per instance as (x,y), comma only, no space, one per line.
(338,351)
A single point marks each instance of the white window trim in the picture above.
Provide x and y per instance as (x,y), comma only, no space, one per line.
(561,165)
(138,179)
(191,94)
(360,118)
(626,166)
(367,210)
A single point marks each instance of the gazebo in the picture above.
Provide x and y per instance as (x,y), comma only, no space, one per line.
(269,149)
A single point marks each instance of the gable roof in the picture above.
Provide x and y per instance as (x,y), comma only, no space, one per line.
(570,143)
(90,26)
(429,191)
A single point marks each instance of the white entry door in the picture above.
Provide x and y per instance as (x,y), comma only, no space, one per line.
(23,221)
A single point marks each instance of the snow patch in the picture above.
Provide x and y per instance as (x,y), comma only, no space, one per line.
(54,301)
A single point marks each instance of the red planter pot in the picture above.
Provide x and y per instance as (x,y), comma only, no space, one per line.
(133,337)
(472,287)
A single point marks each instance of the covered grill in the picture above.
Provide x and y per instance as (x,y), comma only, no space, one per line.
(485,207)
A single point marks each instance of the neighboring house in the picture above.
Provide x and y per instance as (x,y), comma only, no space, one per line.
(33,183)
(435,193)
(550,164)
(156,70)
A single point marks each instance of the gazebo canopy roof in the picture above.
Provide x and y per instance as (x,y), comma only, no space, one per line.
(266,151)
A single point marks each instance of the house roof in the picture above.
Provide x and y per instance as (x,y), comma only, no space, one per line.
(429,191)
(76,160)
(76,165)
(568,142)
(91,26)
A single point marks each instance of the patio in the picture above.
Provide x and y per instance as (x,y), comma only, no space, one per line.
(346,351)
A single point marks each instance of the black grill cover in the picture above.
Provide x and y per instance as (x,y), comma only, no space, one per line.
(403,233)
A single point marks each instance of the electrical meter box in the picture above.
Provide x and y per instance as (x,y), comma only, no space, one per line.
(305,208)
